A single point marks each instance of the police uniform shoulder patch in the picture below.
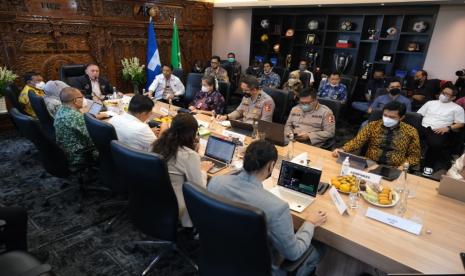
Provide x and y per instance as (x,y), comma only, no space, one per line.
(331,119)
(267,107)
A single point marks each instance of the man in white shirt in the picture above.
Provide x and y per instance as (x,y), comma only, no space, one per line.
(131,128)
(303,69)
(166,85)
(440,118)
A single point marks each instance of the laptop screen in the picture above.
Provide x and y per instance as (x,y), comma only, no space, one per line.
(220,149)
(299,178)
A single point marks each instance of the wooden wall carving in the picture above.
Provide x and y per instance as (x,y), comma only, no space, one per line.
(43,35)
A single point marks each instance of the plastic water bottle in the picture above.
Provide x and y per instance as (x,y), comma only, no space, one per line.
(255,129)
(290,147)
(143,91)
(402,191)
(345,167)
(115,94)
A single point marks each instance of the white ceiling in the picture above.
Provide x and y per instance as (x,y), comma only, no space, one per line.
(274,3)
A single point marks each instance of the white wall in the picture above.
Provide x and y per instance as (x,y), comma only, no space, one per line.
(231,33)
(446,53)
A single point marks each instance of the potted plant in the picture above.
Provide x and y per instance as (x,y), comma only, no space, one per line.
(6,77)
(133,71)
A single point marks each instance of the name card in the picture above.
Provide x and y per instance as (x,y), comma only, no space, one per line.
(300,159)
(337,200)
(231,134)
(370,177)
(398,222)
(164,111)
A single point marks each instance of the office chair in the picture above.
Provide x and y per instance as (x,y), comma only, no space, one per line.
(11,96)
(45,119)
(70,72)
(280,98)
(153,207)
(20,263)
(233,236)
(102,134)
(225,89)
(193,85)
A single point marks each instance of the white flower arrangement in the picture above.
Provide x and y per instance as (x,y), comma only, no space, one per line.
(6,77)
(133,71)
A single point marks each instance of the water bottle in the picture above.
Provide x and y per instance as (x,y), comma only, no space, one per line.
(345,167)
(255,129)
(143,91)
(353,198)
(290,146)
(402,191)
(115,94)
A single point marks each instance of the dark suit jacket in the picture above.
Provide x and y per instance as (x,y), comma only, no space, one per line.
(83,83)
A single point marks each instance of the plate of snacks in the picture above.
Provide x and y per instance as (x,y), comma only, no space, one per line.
(345,184)
(166,119)
(380,196)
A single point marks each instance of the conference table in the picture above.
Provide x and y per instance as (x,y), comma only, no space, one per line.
(435,251)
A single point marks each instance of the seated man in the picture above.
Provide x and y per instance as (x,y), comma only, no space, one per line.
(216,70)
(92,84)
(131,128)
(166,85)
(440,118)
(259,160)
(389,140)
(254,69)
(393,95)
(377,82)
(34,82)
(332,88)
(255,105)
(310,121)
(71,131)
(303,69)
(422,89)
(269,78)
(237,68)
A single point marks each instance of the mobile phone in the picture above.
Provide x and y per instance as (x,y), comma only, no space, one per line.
(462,256)
(322,188)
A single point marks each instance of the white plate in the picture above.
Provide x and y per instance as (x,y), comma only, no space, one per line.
(394,201)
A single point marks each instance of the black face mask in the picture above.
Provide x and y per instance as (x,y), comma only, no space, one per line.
(417,81)
(394,91)
(378,80)
(247,95)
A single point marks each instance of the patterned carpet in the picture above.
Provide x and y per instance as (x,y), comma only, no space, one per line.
(75,242)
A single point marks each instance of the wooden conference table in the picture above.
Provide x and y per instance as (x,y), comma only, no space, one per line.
(435,250)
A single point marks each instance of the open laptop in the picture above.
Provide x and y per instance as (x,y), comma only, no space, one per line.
(220,152)
(297,185)
(274,132)
(356,161)
(241,127)
(452,187)
(95,108)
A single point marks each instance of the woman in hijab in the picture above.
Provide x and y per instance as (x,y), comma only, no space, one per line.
(52,95)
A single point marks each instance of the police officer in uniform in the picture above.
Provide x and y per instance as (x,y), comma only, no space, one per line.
(310,121)
(255,105)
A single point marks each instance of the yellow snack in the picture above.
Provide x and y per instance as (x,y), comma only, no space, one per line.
(353,189)
(384,202)
(344,188)
(336,184)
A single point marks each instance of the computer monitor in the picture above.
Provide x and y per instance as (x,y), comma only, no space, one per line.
(220,149)
(299,178)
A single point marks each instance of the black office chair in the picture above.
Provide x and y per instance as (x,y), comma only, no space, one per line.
(335,106)
(102,134)
(193,85)
(351,83)
(11,96)
(45,119)
(19,263)
(305,79)
(70,72)
(179,73)
(222,241)
(153,206)
(283,74)
(280,98)
(225,89)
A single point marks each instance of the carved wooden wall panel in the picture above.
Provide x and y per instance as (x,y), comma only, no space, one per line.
(43,35)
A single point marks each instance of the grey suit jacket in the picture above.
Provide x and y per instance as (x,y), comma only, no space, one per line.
(245,188)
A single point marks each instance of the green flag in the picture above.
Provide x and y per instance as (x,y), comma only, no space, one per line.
(175,48)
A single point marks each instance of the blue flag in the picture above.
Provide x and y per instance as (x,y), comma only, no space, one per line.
(153,58)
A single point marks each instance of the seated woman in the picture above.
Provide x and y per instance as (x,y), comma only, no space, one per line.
(294,87)
(208,99)
(179,146)
(52,95)
(457,170)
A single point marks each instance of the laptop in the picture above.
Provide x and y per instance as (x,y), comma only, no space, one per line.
(297,185)
(452,187)
(274,132)
(95,108)
(356,161)
(220,152)
(241,127)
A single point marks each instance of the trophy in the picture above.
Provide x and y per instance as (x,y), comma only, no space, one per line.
(367,68)
(372,33)
(341,61)
(288,61)
(312,56)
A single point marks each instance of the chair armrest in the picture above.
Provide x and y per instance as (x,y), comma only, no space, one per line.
(291,266)
(2,224)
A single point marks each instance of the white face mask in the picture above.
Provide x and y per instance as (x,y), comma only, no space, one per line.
(443,98)
(389,122)
(333,85)
(40,85)
(205,88)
